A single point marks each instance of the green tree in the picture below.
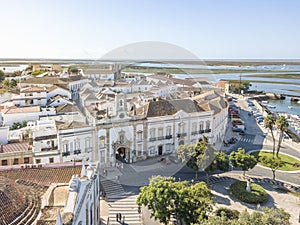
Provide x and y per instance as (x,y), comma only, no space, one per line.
(241,159)
(166,197)
(5,83)
(236,87)
(195,156)
(272,216)
(269,123)
(73,70)
(281,124)
(215,161)
(2,75)
(12,83)
(273,163)
(269,216)
(24,123)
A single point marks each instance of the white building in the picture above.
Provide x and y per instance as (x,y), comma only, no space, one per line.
(19,114)
(56,90)
(76,141)
(31,96)
(157,128)
(45,142)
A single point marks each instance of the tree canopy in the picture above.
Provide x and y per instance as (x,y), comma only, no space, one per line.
(241,159)
(2,75)
(268,216)
(198,156)
(273,163)
(166,198)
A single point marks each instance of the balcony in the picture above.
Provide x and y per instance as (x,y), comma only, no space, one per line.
(49,149)
(152,139)
(194,132)
(168,136)
(181,135)
(67,153)
(160,138)
(207,130)
(201,131)
(76,152)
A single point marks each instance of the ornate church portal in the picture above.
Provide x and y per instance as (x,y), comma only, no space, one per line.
(121,148)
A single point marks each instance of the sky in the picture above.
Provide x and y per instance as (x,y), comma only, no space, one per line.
(210,29)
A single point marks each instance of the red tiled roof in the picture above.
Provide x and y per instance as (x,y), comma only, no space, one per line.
(15,147)
(15,109)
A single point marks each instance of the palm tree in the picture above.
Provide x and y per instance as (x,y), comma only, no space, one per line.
(281,124)
(269,123)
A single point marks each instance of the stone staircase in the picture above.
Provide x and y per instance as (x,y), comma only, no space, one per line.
(120,202)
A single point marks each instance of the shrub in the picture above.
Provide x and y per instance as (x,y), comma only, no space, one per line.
(231,214)
(257,194)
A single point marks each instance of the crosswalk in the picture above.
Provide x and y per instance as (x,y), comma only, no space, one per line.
(248,140)
(121,203)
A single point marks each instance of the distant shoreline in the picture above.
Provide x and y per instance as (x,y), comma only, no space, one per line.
(209,62)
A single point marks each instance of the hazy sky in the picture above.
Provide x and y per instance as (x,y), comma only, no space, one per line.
(208,28)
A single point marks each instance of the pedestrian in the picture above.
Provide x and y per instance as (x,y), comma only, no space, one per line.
(117,217)
(120,216)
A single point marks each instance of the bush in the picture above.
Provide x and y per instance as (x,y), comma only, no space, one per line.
(257,194)
(231,214)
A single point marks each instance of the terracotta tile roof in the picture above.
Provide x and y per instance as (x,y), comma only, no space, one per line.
(52,88)
(72,125)
(15,147)
(44,80)
(15,109)
(186,105)
(32,89)
(156,109)
(65,108)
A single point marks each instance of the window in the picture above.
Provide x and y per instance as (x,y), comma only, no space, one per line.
(207,125)
(181,127)
(71,146)
(160,132)
(194,127)
(51,160)
(87,143)
(201,127)
(77,144)
(152,133)
(169,130)
(168,147)
(121,102)
(102,142)
(16,161)
(26,160)
(66,147)
(37,161)
(122,138)
(139,136)
(4,162)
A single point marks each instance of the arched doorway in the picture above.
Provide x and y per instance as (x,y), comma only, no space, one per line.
(121,154)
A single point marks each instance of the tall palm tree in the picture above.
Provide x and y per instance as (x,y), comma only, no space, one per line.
(281,124)
(269,123)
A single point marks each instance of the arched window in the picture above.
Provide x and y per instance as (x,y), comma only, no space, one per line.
(121,102)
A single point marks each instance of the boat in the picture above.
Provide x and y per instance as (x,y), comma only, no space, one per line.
(290,107)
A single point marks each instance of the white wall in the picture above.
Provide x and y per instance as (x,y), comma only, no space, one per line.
(59,91)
